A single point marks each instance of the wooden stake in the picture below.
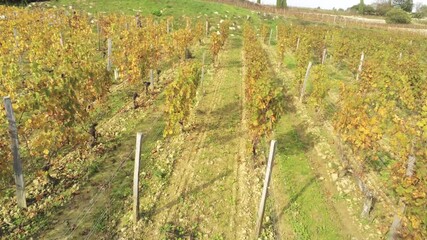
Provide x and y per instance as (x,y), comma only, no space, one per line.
(410,167)
(397,222)
(17,164)
(61,39)
(136,177)
(15,34)
(167,27)
(109,53)
(271,34)
(324,56)
(359,70)
(116,74)
(269,169)
(98,31)
(298,43)
(304,84)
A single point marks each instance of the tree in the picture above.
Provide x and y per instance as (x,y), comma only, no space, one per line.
(383,6)
(397,15)
(361,7)
(420,10)
(281,4)
(406,5)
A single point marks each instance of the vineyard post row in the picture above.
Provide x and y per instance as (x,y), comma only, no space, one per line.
(368,194)
(17,164)
(363,72)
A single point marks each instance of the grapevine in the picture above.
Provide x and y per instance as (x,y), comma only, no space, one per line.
(180,95)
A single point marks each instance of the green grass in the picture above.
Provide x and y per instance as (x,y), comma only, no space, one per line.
(290,61)
(153,7)
(307,211)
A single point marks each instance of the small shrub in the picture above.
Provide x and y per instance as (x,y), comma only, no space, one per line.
(157,13)
(397,15)
(93,168)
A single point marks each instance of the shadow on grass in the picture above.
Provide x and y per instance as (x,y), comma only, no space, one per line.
(225,120)
(296,140)
(231,64)
(154,211)
(287,103)
(295,198)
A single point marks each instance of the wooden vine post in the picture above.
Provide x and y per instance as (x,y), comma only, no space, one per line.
(109,53)
(116,74)
(397,220)
(61,39)
(136,177)
(15,35)
(304,84)
(359,70)
(269,169)
(167,27)
(369,198)
(324,55)
(271,35)
(17,164)
(297,44)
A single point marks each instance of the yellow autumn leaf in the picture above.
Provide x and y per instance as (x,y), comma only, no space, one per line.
(415,222)
(46,152)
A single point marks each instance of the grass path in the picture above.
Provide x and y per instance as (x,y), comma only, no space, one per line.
(209,188)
